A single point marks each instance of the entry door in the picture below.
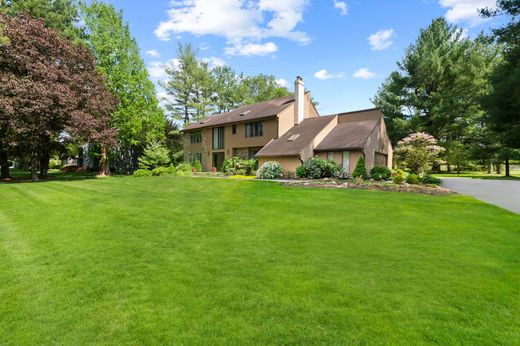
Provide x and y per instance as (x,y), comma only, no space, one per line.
(346,161)
(218,159)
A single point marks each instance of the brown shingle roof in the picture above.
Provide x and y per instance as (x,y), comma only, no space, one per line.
(348,133)
(250,112)
(295,140)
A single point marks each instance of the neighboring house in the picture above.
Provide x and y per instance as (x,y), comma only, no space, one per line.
(289,130)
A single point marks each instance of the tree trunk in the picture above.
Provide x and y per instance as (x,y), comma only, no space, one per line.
(4,166)
(104,165)
(499,168)
(508,173)
(44,163)
(448,167)
(490,168)
(34,166)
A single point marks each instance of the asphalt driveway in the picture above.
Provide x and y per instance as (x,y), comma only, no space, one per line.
(503,193)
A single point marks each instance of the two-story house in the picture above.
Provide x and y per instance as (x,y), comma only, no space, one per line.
(289,130)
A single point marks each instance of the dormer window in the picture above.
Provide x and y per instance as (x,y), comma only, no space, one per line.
(244,113)
(293,137)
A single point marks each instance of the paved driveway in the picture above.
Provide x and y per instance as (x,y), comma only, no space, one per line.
(504,193)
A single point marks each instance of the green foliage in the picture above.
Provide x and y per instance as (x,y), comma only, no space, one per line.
(438,85)
(360,170)
(160,171)
(184,169)
(138,117)
(412,178)
(269,170)
(380,173)
(171,169)
(142,173)
(316,168)
(429,180)
(417,152)
(154,155)
(237,165)
(398,176)
(457,155)
(54,163)
(197,166)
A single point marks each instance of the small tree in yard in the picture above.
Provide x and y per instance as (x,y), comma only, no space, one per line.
(154,155)
(360,170)
(418,152)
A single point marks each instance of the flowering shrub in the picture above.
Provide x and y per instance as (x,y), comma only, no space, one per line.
(316,168)
(418,152)
(236,165)
(269,170)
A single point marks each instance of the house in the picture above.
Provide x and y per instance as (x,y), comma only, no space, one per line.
(289,130)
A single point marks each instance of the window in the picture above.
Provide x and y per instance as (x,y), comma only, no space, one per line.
(330,155)
(234,129)
(255,129)
(196,137)
(196,157)
(218,138)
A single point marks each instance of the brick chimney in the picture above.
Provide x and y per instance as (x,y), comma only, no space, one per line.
(299,97)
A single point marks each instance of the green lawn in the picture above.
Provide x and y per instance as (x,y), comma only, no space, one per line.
(164,260)
(515,175)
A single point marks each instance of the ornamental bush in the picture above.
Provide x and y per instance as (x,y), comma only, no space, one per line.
(380,173)
(418,152)
(237,165)
(412,178)
(154,155)
(183,169)
(142,173)
(360,170)
(398,176)
(160,171)
(269,170)
(430,180)
(316,168)
(197,166)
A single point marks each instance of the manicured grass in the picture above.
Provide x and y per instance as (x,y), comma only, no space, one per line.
(164,260)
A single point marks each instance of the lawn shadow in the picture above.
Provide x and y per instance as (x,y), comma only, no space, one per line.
(22,176)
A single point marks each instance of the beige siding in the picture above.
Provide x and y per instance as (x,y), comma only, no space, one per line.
(378,142)
(285,120)
(288,163)
(308,151)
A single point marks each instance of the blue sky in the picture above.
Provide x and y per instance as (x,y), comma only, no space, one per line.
(342,49)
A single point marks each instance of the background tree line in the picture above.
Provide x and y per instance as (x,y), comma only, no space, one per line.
(465,92)
(134,117)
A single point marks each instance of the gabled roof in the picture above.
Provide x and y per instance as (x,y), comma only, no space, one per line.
(352,130)
(248,112)
(297,138)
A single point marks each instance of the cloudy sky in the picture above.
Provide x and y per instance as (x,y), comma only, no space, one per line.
(342,49)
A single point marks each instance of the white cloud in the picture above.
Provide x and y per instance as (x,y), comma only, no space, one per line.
(214,61)
(153,53)
(381,39)
(341,6)
(250,49)
(324,74)
(466,10)
(241,22)
(364,73)
(282,82)
(157,69)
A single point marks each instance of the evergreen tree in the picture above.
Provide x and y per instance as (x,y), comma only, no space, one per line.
(360,170)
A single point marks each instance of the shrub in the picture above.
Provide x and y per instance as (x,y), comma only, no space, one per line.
(197,166)
(183,169)
(418,152)
(341,173)
(159,171)
(269,170)
(412,178)
(142,173)
(54,163)
(154,155)
(360,170)
(380,173)
(10,163)
(171,169)
(316,168)
(398,176)
(237,165)
(428,179)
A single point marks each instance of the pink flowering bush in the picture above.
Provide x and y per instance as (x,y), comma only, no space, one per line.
(418,152)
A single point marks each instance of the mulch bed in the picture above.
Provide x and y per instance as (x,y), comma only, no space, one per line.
(378,186)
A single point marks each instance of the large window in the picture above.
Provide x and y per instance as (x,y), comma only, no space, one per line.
(255,129)
(196,137)
(218,138)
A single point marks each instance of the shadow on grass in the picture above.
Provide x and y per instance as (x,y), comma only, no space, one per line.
(21,176)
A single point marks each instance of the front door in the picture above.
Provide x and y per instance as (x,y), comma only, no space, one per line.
(218,159)
(346,161)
